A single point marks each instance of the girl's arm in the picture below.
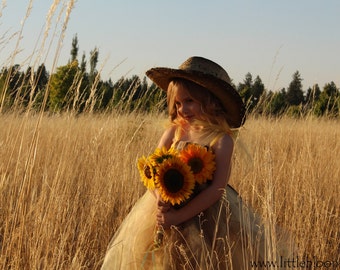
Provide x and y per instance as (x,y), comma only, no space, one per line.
(167,137)
(223,151)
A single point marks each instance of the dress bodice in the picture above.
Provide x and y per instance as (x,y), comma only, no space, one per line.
(181,144)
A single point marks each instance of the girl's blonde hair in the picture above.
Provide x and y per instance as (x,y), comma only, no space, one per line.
(213,118)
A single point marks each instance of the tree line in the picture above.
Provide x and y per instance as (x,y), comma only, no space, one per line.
(78,87)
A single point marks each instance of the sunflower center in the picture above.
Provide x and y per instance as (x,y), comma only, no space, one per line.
(173,180)
(160,159)
(147,172)
(196,165)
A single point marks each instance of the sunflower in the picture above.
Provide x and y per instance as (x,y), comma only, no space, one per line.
(174,181)
(146,172)
(162,154)
(201,160)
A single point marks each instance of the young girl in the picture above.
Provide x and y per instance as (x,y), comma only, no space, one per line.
(213,229)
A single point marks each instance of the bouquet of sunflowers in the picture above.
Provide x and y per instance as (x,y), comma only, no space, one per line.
(176,172)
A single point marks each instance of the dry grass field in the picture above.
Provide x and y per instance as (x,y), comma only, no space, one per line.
(67,182)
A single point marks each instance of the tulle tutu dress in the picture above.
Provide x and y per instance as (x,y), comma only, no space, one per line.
(228,235)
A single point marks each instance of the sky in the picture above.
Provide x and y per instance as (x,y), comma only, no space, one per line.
(270,39)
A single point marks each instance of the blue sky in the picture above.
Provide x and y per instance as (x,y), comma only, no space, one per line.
(269,38)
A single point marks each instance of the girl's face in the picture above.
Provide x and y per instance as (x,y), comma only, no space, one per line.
(187,108)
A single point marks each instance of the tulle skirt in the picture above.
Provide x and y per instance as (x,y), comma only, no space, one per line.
(228,235)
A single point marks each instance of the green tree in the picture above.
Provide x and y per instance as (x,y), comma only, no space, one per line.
(245,89)
(118,93)
(294,92)
(93,64)
(257,91)
(41,78)
(75,48)
(328,102)
(330,89)
(155,99)
(105,90)
(277,102)
(251,91)
(312,97)
(149,98)
(64,87)
(135,94)
(83,63)
(313,94)
(12,86)
(3,89)
(26,91)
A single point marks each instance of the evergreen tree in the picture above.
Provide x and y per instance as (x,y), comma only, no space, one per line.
(245,89)
(251,91)
(155,99)
(313,94)
(83,64)
(41,77)
(312,97)
(118,92)
(4,97)
(75,48)
(294,92)
(40,82)
(27,89)
(14,79)
(330,89)
(106,94)
(93,64)
(277,104)
(329,101)
(3,75)
(257,91)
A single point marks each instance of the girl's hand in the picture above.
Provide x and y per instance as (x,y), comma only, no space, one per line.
(167,219)
(161,205)
(166,215)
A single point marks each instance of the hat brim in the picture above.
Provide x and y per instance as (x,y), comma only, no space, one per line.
(229,97)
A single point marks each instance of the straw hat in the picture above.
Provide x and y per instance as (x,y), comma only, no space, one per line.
(209,75)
